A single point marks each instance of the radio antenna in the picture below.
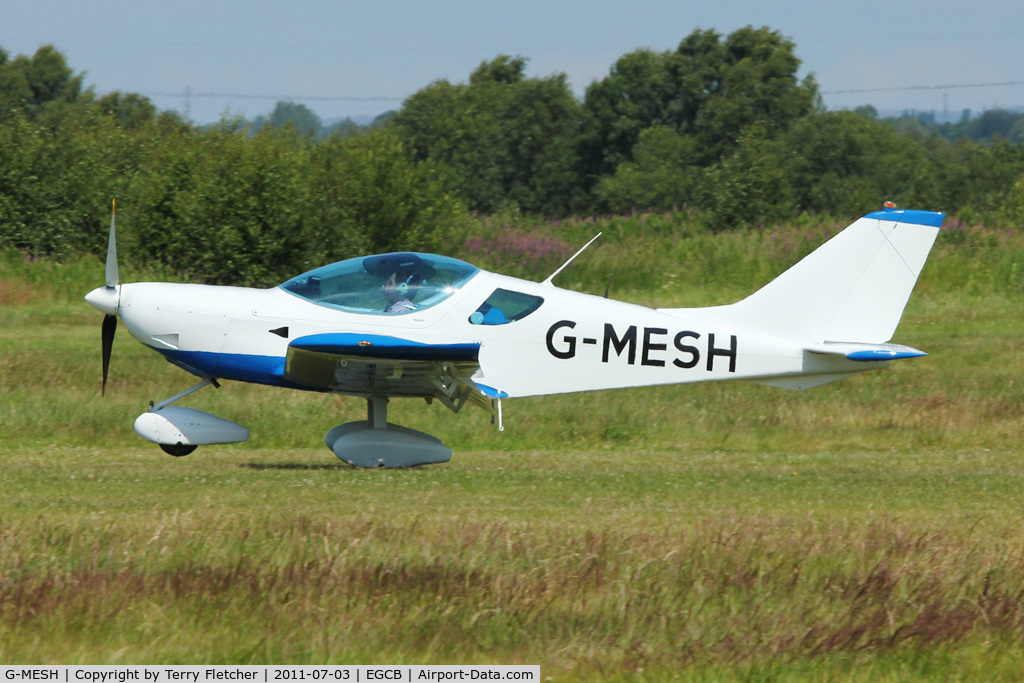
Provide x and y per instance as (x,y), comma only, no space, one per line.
(547,283)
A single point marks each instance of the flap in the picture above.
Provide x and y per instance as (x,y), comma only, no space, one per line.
(369,364)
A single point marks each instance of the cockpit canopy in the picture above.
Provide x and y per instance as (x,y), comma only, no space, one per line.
(385,284)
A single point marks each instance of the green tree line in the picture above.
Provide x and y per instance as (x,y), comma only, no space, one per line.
(722,127)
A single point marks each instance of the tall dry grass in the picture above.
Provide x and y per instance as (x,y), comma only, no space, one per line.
(754,590)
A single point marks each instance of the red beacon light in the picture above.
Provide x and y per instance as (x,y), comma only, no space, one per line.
(889,205)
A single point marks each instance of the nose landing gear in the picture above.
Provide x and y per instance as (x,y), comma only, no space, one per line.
(177,449)
(179,431)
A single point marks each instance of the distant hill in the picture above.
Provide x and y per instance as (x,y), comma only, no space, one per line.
(941,116)
(359,120)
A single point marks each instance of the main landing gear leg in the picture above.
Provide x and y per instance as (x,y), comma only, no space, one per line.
(377,411)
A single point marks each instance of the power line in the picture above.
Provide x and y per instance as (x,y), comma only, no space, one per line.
(250,96)
(482,47)
(351,47)
(188,93)
(923,87)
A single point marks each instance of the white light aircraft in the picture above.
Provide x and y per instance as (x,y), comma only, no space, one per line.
(431,327)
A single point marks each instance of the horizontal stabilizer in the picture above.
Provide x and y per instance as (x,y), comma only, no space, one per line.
(867,353)
(380,346)
(825,372)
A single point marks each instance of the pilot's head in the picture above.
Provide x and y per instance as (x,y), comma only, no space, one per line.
(396,288)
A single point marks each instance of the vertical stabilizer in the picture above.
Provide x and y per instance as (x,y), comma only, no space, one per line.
(853,288)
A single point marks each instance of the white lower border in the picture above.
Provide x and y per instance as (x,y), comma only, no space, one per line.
(357,673)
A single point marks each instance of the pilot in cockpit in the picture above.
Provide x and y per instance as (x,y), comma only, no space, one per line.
(397,293)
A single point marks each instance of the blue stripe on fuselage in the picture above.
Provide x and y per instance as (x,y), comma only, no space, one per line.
(385,347)
(233,366)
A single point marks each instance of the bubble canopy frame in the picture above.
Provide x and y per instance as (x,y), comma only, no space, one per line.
(355,285)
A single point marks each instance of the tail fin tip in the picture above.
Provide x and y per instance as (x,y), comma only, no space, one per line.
(932,219)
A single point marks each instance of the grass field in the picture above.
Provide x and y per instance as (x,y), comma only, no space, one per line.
(870,529)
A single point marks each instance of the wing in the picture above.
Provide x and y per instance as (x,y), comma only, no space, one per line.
(369,364)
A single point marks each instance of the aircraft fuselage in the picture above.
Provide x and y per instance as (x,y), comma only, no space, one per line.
(572,342)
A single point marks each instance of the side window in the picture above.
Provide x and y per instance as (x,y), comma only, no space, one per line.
(505,306)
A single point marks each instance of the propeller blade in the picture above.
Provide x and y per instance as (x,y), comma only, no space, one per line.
(109,328)
(113,278)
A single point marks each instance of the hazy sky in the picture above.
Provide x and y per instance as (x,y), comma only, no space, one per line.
(241,56)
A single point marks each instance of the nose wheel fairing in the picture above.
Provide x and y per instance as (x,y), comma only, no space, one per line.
(174,425)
